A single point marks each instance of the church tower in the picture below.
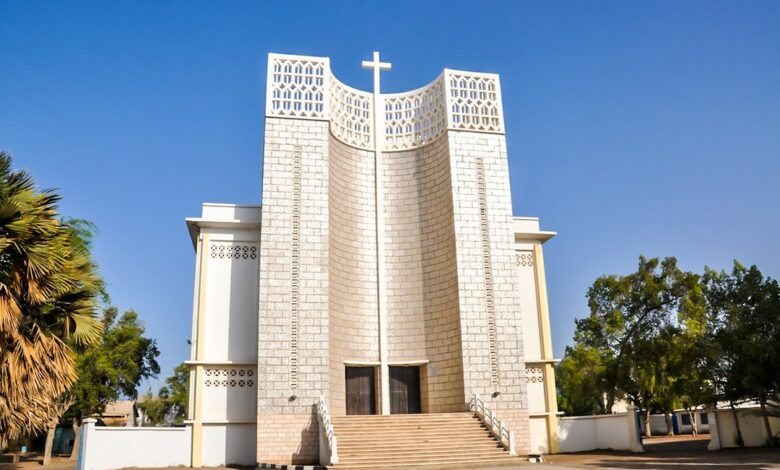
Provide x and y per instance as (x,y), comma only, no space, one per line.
(390,274)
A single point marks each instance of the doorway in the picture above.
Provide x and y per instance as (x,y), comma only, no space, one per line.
(405,390)
(361,391)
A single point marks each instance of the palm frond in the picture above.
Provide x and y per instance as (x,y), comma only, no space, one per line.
(49,288)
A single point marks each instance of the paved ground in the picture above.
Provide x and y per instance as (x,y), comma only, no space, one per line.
(33,461)
(680,452)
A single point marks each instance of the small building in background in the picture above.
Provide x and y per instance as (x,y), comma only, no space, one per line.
(119,413)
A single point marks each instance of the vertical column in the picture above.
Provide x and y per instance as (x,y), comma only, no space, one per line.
(379,137)
(198,350)
(508,397)
(292,337)
(634,438)
(712,418)
(85,454)
(545,339)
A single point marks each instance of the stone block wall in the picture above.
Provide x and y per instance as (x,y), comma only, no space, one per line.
(293,303)
(452,284)
(288,438)
(423,320)
(490,318)
(352,296)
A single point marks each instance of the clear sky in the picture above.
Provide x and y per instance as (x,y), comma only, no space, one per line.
(633,127)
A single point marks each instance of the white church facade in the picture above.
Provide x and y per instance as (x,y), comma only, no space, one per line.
(384,274)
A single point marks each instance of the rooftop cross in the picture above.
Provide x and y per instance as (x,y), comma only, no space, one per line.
(377,66)
(379,136)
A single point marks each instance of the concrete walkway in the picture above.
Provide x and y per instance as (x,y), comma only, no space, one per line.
(680,452)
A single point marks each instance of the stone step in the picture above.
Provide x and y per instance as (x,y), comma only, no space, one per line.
(405,445)
(411,440)
(413,454)
(419,432)
(416,459)
(409,417)
(417,422)
(462,437)
(423,452)
(396,441)
(467,423)
(399,417)
(408,425)
(432,436)
(419,460)
(481,463)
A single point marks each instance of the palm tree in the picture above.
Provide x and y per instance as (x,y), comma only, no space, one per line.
(49,288)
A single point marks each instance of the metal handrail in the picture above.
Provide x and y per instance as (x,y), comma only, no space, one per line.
(327,426)
(497,428)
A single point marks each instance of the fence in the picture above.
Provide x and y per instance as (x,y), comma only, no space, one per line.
(106,448)
(723,429)
(617,432)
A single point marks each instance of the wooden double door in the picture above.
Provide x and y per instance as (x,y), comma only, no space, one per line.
(404,390)
(361,390)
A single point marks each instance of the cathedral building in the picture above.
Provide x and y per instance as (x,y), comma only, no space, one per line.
(384,279)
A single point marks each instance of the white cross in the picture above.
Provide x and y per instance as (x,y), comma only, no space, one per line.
(377,66)
(378,138)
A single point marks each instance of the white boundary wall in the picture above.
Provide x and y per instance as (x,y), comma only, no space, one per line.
(616,432)
(658,423)
(723,431)
(106,448)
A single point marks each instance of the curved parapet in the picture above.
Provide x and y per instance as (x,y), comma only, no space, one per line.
(304,87)
(351,115)
(416,117)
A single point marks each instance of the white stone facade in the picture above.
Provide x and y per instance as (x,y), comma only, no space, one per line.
(324,276)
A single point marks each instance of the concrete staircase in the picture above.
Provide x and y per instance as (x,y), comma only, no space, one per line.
(420,440)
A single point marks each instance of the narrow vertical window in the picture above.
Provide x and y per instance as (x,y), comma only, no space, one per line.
(488,268)
(295,265)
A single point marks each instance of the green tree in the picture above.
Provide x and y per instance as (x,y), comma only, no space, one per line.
(694,383)
(746,306)
(580,381)
(178,386)
(155,408)
(49,292)
(627,317)
(170,404)
(112,369)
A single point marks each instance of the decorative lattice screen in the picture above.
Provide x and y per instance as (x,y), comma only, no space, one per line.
(305,88)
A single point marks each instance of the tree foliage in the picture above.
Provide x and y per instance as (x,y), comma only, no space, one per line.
(579,377)
(49,291)
(631,318)
(665,338)
(178,386)
(745,313)
(170,404)
(116,366)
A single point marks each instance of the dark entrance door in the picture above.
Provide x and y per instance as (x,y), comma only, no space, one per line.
(361,395)
(404,390)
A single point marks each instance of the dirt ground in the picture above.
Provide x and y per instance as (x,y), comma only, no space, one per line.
(679,452)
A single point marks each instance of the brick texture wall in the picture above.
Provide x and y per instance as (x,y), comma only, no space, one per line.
(422,289)
(435,226)
(288,438)
(283,138)
(509,379)
(352,298)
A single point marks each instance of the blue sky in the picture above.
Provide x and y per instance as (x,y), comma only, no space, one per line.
(633,127)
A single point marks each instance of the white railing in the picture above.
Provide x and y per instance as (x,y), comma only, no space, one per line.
(328,448)
(498,429)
